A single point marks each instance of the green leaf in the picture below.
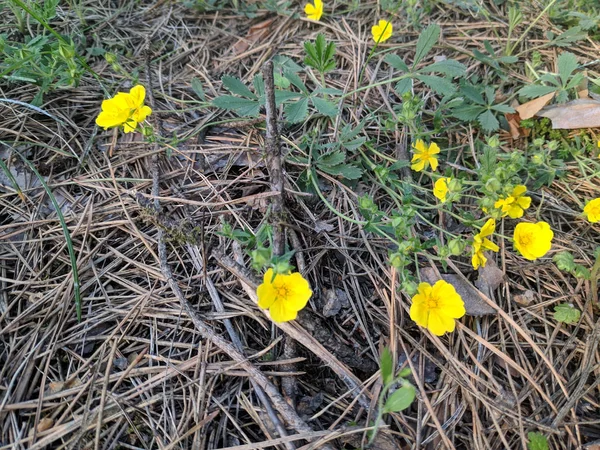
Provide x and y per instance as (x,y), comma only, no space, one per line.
(281,81)
(535,91)
(448,67)
(488,121)
(284,96)
(426,41)
(198,89)
(396,62)
(438,84)
(503,109)
(537,441)
(565,261)
(235,86)
(296,80)
(331,159)
(400,399)
(354,143)
(567,63)
(467,112)
(243,106)
(320,55)
(565,39)
(386,364)
(567,313)
(325,107)
(259,85)
(403,86)
(297,112)
(472,93)
(347,171)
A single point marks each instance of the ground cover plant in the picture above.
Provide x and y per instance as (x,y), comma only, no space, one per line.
(275,224)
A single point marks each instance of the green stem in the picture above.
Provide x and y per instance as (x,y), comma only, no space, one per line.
(594,278)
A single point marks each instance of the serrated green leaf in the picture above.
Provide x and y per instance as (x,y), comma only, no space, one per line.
(354,143)
(396,62)
(438,84)
(386,364)
(331,159)
(472,93)
(567,313)
(401,399)
(503,109)
(198,89)
(565,261)
(347,171)
(566,63)
(403,86)
(427,40)
(325,107)
(535,91)
(537,441)
(297,111)
(582,272)
(488,121)
(296,80)
(259,85)
(448,67)
(573,34)
(467,112)
(243,106)
(235,86)
(285,96)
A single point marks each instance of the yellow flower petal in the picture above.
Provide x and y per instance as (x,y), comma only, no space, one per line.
(434,149)
(435,308)
(434,163)
(314,12)
(382,31)
(592,210)
(488,229)
(419,166)
(533,240)
(138,94)
(280,313)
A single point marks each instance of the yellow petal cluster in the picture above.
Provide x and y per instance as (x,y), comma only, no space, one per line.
(424,156)
(314,11)
(435,307)
(124,109)
(533,240)
(382,31)
(283,295)
(481,243)
(592,210)
(440,188)
(515,204)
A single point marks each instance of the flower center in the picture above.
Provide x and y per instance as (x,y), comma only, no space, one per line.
(526,239)
(282,292)
(432,302)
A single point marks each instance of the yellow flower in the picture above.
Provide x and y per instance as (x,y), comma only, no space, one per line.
(435,307)
(283,295)
(440,188)
(592,210)
(424,156)
(482,243)
(126,109)
(533,240)
(514,205)
(314,12)
(382,31)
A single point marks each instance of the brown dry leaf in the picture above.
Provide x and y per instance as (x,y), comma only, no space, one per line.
(514,124)
(532,107)
(525,298)
(581,113)
(255,33)
(490,277)
(45,424)
(474,304)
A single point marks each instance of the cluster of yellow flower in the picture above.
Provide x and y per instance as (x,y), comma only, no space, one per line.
(124,109)
(381,32)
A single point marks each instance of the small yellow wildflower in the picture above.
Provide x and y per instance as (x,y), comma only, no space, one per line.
(435,307)
(515,204)
(533,240)
(482,243)
(382,31)
(424,156)
(592,210)
(440,188)
(314,12)
(124,109)
(283,295)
